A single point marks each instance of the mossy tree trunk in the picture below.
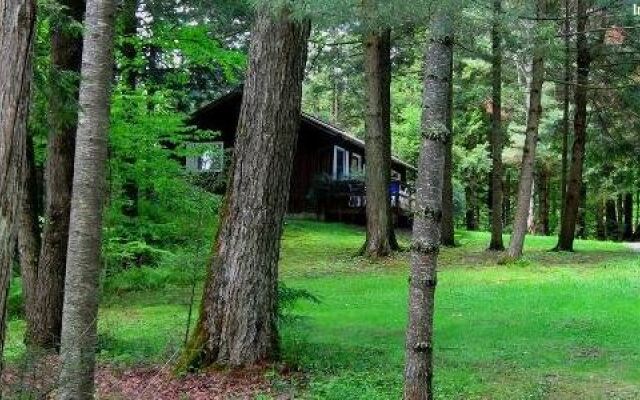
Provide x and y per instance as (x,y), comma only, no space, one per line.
(238,316)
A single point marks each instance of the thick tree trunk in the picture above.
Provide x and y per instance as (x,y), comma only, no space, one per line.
(601,230)
(237,325)
(79,320)
(29,234)
(17,22)
(426,230)
(45,322)
(448,218)
(496,130)
(628,216)
(611,219)
(531,141)
(574,185)
(380,240)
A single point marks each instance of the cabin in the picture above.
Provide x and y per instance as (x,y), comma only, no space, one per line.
(329,163)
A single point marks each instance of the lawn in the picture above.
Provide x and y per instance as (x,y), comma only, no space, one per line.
(551,326)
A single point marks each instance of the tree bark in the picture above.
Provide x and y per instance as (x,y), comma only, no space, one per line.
(380,239)
(471,195)
(237,325)
(574,185)
(531,141)
(448,218)
(601,231)
(543,202)
(628,216)
(29,234)
(565,104)
(497,140)
(45,323)
(17,19)
(620,216)
(79,320)
(427,224)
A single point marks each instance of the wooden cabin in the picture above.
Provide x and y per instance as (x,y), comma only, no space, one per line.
(328,170)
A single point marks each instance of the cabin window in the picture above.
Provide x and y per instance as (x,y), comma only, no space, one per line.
(356,164)
(340,163)
(211,158)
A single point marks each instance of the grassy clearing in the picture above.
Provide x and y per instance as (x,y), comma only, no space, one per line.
(552,326)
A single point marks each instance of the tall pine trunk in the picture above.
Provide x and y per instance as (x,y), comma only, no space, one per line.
(542,226)
(448,219)
(45,323)
(565,104)
(574,185)
(380,240)
(531,141)
(496,130)
(426,230)
(601,230)
(611,219)
(17,22)
(237,324)
(79,320)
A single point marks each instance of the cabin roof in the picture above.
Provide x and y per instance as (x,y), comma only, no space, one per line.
(321,126)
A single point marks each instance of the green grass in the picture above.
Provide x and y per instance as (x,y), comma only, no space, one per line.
(552,326)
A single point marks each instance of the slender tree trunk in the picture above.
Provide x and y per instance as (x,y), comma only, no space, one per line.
(565,105)
(129,23)
(79,320)
(426,230)
(29,233)
(497,140)
(506,215)
(543,202)
(531,141)
(628,216)
(601,231)
(380,240)
(620,217)
(45,323)
(611,219)
(574,185)
(471,196)
(237,324)
(448,219)
(17,22)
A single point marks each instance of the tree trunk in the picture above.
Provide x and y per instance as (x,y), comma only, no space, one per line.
(29,235)
(237,325)
(601,231)
(565,103)
(79,320)
(380,240)
(628,216)
(611,219)
(426,230)
(129,23)
(45,323)
(531,141)
(17,19)
(543,202)
(506,214)
(620,217)
(574,184)
(497,140)
(448,220)
(471,196)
